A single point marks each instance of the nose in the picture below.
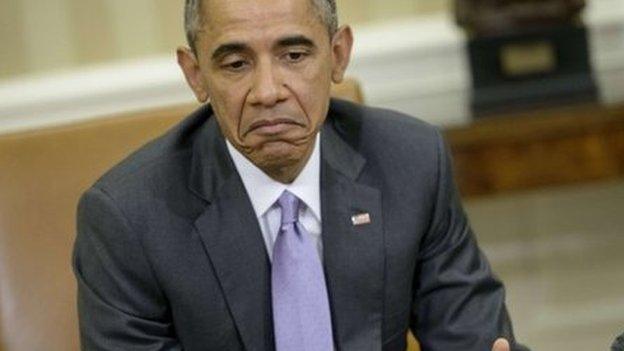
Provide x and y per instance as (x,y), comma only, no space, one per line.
(268,88)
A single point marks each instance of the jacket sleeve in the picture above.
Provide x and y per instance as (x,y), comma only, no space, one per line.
(458,303)
(120,305)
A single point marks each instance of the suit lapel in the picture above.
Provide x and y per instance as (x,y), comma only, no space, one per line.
(353,254)
(232,239)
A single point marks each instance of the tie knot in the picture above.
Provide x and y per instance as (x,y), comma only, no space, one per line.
(289,204)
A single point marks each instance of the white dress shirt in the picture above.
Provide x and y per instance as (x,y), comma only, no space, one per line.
(263,191)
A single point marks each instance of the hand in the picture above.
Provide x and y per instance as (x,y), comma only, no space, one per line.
(501,344)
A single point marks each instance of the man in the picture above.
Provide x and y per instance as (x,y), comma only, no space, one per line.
(274,219)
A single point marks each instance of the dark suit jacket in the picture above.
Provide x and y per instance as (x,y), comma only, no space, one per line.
(169,254)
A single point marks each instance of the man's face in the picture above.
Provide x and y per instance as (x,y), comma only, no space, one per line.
(267,67)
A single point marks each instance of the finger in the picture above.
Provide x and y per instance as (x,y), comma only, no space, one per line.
(501,344)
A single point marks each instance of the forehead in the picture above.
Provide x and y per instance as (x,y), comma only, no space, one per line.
(230,19)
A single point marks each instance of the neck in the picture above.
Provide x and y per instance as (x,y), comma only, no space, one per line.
(286,174)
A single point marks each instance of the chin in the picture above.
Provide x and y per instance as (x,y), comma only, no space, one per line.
(278,155)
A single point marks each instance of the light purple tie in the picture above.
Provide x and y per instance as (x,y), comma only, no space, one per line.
(301,316)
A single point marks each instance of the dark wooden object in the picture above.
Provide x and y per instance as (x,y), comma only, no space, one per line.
(517,72)
(497,17)
(537,149)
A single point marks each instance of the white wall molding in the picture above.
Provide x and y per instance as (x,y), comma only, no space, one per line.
(91,93)
(417,66)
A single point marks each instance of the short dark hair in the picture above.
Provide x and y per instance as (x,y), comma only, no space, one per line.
(193,17)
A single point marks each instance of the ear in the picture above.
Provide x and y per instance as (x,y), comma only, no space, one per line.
(342,42)
(190,67)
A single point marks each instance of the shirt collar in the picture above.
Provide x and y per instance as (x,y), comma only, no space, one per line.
(264,191)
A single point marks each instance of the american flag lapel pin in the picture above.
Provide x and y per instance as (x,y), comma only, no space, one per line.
(360,219)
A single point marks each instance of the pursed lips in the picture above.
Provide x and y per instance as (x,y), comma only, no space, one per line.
(272,127)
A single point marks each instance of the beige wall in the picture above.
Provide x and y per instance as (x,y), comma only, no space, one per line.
(364,11)
(49,35)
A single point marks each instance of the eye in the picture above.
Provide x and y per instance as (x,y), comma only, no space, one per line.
(235,66)
(296,56)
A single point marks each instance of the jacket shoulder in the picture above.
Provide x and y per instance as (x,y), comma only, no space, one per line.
(158,160)
(370,128)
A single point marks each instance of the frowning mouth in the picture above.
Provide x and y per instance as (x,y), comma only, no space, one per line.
(272,127)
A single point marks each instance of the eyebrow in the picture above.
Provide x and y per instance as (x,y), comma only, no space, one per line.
(296,40)
(234,47)
(228,48)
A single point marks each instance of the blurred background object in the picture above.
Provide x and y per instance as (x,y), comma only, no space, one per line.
(526,53)
(544,189)
(483,18)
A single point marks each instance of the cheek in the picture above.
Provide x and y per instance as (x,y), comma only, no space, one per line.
(312,75)
(228,103)
(312,89)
